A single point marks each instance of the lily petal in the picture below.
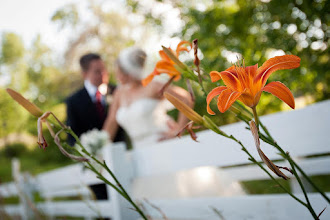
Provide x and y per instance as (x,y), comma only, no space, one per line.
(251,70)
(166,67)
(230,79)
(226,99)
(181,47)
(163,56)
(216,91)
(274,64)
(148,79)
(215,76)
(282,92)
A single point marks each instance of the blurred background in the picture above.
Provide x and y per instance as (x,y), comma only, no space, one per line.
(41,42)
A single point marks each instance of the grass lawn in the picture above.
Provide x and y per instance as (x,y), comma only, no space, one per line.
(270,187)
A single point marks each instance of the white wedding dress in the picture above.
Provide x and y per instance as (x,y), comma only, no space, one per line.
(144,120)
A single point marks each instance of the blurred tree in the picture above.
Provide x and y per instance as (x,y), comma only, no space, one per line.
(12,118)
(12,48)
(66,16)
(106,32)
(46,79)
(12,64)
(32,72)
(14,69)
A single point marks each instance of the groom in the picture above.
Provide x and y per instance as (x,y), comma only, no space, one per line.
(87,108)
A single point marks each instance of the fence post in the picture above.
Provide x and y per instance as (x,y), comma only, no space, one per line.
(115,155)
(24,191)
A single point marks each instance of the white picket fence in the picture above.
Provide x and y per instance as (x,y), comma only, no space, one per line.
(303,132)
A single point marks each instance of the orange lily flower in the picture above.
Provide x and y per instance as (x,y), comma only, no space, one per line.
(166,64)
(247,83)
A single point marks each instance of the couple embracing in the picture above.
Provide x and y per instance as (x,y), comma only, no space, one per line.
(134,109)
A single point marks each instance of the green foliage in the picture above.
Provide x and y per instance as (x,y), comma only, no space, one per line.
(14,150)
(254,30)
(12,117)
(12,48)
(66,16)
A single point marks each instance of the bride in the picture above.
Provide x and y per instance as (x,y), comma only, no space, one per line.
(138,110)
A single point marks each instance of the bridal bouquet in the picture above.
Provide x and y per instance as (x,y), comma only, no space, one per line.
(94,140)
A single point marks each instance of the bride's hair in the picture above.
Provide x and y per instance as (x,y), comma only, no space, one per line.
(131,61)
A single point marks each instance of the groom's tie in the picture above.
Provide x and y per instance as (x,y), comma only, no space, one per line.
(99,106)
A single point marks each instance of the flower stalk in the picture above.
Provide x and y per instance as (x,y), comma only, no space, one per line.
(43,117)
(255,114)
(118,187)
(197,62)
(267,137)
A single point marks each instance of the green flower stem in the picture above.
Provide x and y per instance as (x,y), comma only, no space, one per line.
(240,115)
(254,109)
(270,141)
(99,175)
(312,183)
(198,80)
(264,169)
(309,205)
(121,189)
(211,125)
(242,107)
(104,165)
(286,156)
(266,131)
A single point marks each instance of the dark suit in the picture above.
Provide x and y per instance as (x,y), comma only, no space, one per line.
(82,115)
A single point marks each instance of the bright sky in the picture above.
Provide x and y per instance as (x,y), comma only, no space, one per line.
(28,18)
(32,17)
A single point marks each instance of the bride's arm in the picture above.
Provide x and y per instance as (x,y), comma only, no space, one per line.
(185,97)
(110,125)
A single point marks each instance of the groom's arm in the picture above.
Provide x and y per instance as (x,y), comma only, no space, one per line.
(72,120)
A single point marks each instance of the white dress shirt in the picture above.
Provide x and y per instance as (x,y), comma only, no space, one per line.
(91,90)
